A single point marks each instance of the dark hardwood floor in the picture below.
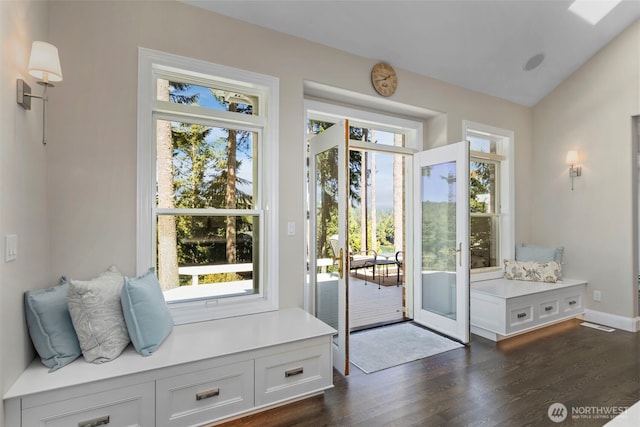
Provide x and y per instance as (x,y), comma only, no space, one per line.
(511,383)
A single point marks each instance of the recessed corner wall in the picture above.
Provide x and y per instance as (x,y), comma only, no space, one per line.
(23,169)
(592,112)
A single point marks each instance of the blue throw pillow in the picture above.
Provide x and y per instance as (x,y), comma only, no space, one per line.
(50,326)
(145,312)
(539,253)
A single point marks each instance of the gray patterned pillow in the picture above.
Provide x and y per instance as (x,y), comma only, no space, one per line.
(97,316)
(550,272)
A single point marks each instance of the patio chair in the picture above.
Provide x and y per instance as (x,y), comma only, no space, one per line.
(360,259)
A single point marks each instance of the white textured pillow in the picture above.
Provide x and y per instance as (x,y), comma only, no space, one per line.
(96,313)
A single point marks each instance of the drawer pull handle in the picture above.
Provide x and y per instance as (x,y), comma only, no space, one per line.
(207,394)
(293,372)
(521,315)
(548,308)
(573,302)
(102,421)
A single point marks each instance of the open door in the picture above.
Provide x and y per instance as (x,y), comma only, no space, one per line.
(441,243)
(328,166)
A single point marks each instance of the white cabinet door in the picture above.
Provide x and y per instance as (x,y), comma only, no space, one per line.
(123,407)
(203,396)
(282,376)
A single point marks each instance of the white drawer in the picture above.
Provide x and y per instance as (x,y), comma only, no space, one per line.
(520,317)
(283,375)
(548,309)
(203,396)
(572,303)
(124,407)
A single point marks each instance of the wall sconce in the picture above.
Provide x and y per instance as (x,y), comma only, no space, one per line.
(574,171)
(44,65)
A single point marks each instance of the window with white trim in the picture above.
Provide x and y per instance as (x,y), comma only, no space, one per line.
(491,198)
(207,177)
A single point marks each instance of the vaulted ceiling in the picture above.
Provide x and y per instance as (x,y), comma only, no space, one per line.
(481,45)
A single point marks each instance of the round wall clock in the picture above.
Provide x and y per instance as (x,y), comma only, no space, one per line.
(384,79)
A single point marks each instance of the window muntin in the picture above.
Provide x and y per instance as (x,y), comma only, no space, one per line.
(183,181)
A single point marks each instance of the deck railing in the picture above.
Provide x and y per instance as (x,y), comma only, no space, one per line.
(201,270)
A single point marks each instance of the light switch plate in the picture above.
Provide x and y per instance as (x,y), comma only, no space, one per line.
(10,247)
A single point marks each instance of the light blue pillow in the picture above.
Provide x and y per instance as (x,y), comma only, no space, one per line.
(50,326)
(539,253)
(145,312)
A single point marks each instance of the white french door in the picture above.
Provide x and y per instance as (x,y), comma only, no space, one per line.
(328,278)
(441,242)
(439,254)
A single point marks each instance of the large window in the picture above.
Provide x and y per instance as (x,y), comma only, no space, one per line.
(206,173)
(491,199)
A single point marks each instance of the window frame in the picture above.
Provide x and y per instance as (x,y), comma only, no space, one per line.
(154,64)
(505,209)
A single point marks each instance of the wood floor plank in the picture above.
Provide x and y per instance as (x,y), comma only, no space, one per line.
(511,383)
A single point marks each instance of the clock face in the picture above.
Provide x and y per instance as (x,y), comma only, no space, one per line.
(384,79)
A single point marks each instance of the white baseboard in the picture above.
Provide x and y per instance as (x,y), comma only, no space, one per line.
(629,324)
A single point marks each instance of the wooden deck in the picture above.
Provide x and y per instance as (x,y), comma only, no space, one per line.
(371,304)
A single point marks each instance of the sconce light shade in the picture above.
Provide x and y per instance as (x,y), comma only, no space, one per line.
(572,157)
(44,63)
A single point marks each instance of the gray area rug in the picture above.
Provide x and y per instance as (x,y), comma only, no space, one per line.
(381,348)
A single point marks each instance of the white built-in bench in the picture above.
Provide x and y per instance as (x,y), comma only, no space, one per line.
(203,373)
(502,308)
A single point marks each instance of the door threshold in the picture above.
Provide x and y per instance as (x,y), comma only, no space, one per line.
(380,324)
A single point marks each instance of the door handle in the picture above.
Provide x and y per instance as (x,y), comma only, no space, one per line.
(459,252)
(340,259)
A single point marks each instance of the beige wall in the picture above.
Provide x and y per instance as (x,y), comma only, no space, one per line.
(92,171)
(592,112)
(89,199)
(23,189)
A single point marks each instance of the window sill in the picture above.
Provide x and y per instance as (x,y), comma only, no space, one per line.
(487,273)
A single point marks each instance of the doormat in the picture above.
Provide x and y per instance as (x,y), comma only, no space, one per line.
(381,348)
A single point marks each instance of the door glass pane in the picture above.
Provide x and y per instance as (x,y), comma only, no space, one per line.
(438,200)
(326,183)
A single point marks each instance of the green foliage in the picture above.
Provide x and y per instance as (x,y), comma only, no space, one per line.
(481,229)
(219,278)
(200,175)
(480,180)
(438,236)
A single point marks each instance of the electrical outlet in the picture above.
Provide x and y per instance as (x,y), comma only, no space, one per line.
(597,296)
